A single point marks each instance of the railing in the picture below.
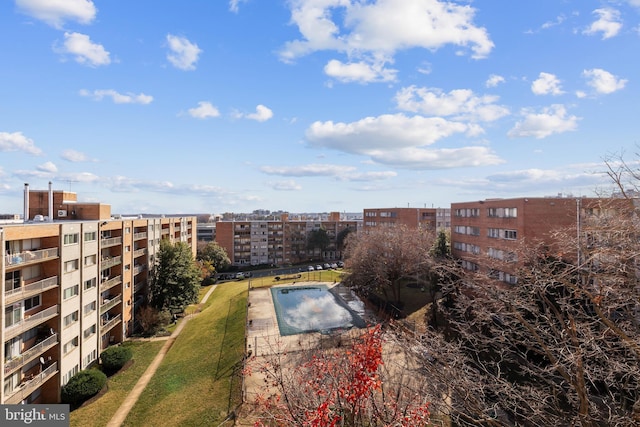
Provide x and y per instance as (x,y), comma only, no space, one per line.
(32,288)
(28,387)
(31,353)
(140,236)
(139,252)
(110,304)
(109,324)
(110,241)
(28,257)
(138,286)
(30,322)
(139,268)
(107,284)
(110,262)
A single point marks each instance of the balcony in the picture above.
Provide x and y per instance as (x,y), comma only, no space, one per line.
(31,289)
(110,262)
(140,236)
(139,268)
(30,257)
(30,354)
(110,303)
(29,386)
(109,324)
(110,241)
(138,286)
(30,322)
(139,252)
(108,284)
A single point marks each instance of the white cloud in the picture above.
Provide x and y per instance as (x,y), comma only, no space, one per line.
(118,98)
(369,176)
(289,185)
(16,141)
(262,114)
(608,23)
(494,80)
(400,140)
(372,32)
(56,12)
(204,110)
(551,120)
(361,72)
(182,53)
(441,158)
(74,156)
(84,50)
(308,170)
(603,82)
(234,5)
(559,20)
(461,104)
(48,167)
(546,84)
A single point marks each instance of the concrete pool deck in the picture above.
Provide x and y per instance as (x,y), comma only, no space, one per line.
(263,334)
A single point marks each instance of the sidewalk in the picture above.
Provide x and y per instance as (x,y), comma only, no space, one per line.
(136,391)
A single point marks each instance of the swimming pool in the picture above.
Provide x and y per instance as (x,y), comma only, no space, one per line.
(315,308)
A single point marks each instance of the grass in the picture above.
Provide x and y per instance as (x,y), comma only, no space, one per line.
(305,276)
(198,382)
(99,413)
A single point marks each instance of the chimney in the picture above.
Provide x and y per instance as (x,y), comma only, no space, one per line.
(25,215)
(50,202)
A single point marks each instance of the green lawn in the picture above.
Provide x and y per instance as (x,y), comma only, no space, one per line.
(199,382)
(99,413)
(305,276)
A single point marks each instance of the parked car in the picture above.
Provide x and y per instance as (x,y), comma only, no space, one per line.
(318,267)
(310,268)
(340,264)
(334,265)
(240,275)
(326,266)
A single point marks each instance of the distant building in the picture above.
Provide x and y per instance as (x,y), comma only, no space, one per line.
(493,229)
(431,219)
(73,276)
(281,241)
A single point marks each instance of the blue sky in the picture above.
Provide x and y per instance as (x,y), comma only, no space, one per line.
(313,105)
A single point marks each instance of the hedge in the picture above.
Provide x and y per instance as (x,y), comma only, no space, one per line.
(114,358)
(82,386)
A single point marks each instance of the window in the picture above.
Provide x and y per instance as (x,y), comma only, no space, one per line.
(88,308)
(70,319)
(90,236)
(510,234)
(68,375)
(370,214)
(90,260)
(90,331)
(127,230)
(86,361)
(494,233)
(70,292)
(91,283)
(71,239)
(33,302)
(70,266)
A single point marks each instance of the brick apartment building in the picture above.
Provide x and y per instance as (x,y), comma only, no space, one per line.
(494,228)
(73,276)
(279,242)
(424,218)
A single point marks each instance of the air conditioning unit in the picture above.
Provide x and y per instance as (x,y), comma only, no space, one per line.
(62,213)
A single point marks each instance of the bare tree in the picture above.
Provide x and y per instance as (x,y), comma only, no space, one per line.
(383,259)
(562,347)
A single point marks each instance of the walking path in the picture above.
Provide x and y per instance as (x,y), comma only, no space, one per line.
(124,409)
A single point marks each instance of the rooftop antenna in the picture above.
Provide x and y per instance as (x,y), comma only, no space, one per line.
(69,181)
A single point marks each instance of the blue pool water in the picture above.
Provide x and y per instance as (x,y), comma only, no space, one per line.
(316,308)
